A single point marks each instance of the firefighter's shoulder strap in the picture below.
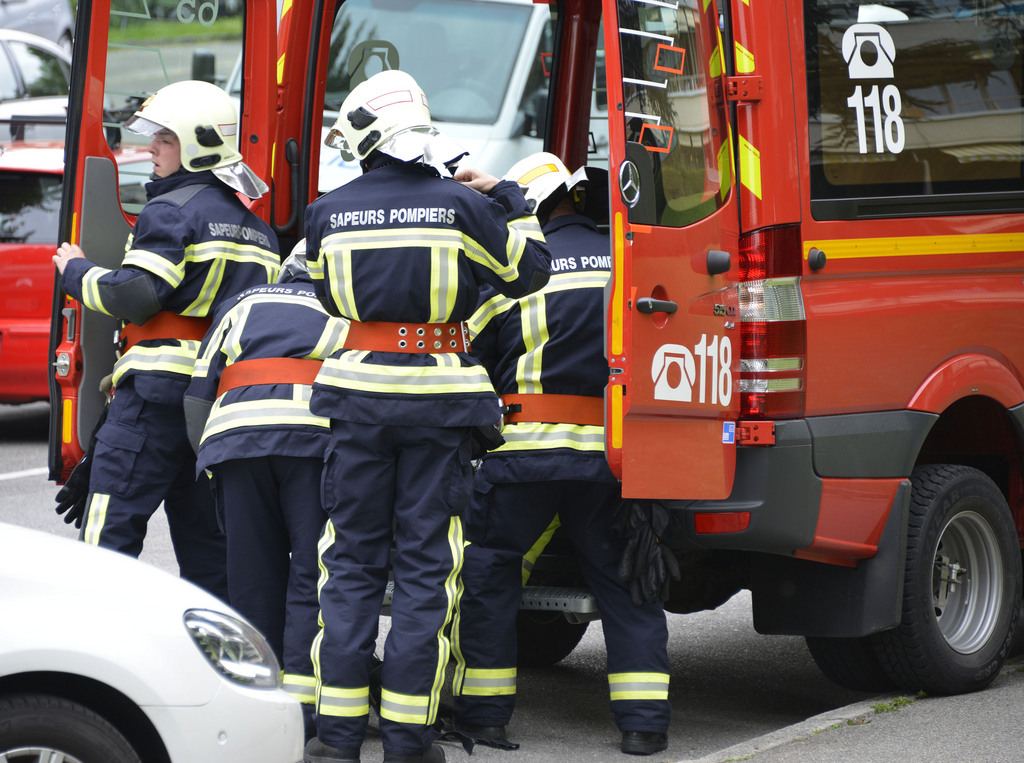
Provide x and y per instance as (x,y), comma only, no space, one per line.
(165,325)
(246,373)
(553,409)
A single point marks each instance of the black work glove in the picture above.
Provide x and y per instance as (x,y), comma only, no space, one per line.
(72,496)
(648,566)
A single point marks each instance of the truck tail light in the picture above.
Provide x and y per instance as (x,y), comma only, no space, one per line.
(773,354)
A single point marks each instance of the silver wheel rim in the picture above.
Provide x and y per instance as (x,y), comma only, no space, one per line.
(36,755)
(967,582)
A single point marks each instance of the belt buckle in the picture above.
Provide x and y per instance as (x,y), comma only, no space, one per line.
(119,344)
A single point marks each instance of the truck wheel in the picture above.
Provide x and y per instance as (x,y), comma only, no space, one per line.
(545,638)
(962,590)
(850,662)
(35,727)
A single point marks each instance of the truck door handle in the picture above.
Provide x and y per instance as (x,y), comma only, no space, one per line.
(648,305)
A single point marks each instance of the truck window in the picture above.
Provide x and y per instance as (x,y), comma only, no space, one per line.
(461,53)
(917,104)
(671,58)
(153,44)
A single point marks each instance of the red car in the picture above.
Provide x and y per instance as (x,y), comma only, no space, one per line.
(31,180)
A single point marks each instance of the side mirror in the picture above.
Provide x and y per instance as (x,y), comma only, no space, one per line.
(536,113)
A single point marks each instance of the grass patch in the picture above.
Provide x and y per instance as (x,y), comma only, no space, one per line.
(154,30)
(893,706)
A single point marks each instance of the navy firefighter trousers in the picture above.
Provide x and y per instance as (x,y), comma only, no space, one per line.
(504,522)
(410,483)
(276,587)
(143,456)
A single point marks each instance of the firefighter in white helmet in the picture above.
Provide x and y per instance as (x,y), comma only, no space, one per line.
(545,354)
(193,246)
(402,252)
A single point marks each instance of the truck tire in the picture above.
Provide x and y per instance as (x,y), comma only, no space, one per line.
(850,662)
(36,727)
(962,588)
(545,638)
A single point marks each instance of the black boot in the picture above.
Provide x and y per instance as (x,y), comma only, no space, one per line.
(643,742)
(489,736)
(433,754)
(318,752)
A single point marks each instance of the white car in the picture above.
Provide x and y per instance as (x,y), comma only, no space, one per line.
(106,658)
(52,19)
(34,78)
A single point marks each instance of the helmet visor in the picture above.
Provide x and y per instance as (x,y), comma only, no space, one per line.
(143,126)
(242,179)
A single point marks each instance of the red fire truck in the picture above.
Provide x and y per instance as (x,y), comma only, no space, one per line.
(814,324)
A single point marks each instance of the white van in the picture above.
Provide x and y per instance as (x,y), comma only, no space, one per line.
(494,109)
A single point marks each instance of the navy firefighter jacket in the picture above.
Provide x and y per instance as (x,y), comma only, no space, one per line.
(194,245)
(401,244)
(550,342)
(271,419)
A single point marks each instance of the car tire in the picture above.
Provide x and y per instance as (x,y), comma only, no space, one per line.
(545,638)
(36,727)
(962,587)
(850,662)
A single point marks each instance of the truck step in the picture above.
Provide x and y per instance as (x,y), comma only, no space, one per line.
(578,603)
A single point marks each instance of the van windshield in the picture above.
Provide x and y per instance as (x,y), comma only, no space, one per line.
(461,52)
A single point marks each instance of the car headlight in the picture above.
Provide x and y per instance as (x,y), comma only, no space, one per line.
(237,650)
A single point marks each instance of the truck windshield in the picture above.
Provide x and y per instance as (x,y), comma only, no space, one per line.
(461,52)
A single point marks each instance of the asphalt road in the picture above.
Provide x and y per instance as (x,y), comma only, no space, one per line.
(730,686)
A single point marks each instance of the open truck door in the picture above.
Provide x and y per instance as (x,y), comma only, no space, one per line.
(123,54)
(673,339)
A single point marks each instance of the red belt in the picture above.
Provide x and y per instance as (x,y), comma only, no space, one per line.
(246,373)
(554,409)
(165,325)
(392,336)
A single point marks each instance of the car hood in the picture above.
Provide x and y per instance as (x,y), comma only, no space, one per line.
(70,607)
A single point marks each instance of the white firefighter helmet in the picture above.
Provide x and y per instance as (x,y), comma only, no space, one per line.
(389,113)
(295,267)
(545,180)
(204,119)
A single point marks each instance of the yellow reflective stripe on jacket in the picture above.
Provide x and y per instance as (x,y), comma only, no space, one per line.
(95,518)
(486,312)
(177,358)
(489,682)
(534,327)
(303,688)
(91,289)
(404,708)
(343,703)
(538,436)
(444,283)
(638,685)
(528,227)
(264,412)
(207,252)
(348,372)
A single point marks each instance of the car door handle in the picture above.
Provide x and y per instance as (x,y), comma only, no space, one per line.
(649,305)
